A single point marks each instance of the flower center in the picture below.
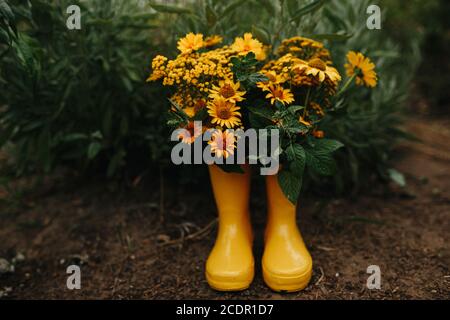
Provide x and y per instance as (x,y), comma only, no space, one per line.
(318,64)
(199,105)
(223,113)
(227,91)
(278,93)
(271,77)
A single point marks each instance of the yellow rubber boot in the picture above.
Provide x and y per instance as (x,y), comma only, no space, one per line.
(230,265)
(286,262)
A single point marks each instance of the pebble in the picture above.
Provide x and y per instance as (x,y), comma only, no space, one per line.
(5,292)
(5,266)
(18,258)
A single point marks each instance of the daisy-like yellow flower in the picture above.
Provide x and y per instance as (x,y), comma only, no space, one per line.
(213,40)
(191,42)
(319,70)
(227,89)
(223,143)
(278,93)
(190,133)
(224,113)
(273,78)
(363,68)
(247,44)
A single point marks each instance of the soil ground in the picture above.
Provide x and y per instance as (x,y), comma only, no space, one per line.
(125,252)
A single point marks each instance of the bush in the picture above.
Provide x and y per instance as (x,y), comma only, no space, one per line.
(78,98)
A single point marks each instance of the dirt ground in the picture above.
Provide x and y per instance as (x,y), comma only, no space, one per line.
(125,252)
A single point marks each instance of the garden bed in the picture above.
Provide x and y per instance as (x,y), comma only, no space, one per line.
(125,252)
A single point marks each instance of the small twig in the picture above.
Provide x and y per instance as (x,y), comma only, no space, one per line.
(200,234)
(325,248)
(321,276)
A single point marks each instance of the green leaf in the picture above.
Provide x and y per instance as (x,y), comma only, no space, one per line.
(269,6)
(5,11)
(326,145)
(321,163)
(26,54)
(292,5)
(297,159)
(294,109)
(74,137)
(93,149)
(290,184)
(310,8)
(254,78)
(164,8)
(261,34)
(331,36)
(211,16)
(231,7)
(397,177)
(261,111)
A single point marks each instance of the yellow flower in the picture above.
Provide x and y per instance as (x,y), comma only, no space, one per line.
(190,133)
(227,89)
(248,44)
(190,111)
(192,42)
(213,40)
(304,48)
(278,93)
(224,113)
(363,68)
(158,66)
(223,143)
(302,120)
(273,78)
(319,71)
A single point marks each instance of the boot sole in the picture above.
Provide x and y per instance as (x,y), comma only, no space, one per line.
(227,285)
(283,283)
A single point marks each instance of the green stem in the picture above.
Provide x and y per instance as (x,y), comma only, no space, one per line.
(347,84)
(307,101)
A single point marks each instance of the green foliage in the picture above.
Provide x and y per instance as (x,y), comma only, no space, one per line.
(244,69)
(368,123)
(79,97)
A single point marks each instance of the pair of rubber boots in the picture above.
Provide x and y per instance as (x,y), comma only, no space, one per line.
(286,262)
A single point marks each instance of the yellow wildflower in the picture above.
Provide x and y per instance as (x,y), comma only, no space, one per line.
(191,42)
(363,68)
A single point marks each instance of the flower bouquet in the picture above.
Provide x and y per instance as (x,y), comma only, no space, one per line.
(288,90)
